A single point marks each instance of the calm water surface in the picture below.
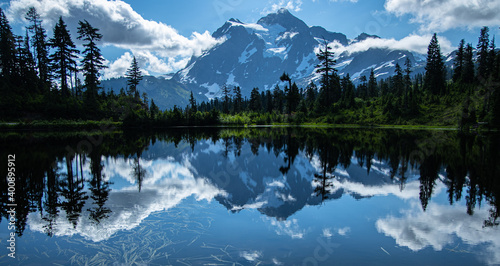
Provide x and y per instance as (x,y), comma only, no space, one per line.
(269,196)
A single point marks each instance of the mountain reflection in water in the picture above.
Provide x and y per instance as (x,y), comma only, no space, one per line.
(98,192)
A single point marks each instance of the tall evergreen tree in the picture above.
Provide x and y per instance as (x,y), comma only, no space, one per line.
(468,72)
(192,103)
(407,76)
(363,88)
(372,84)
(226,98)
(348,91)
(26,64)
(93,60)
(483,54)
(325,67)
(40,46)
(492,57)
(7,49)
(458,66)
(238,99)
(64,55)
(398,81)
(278,99)
(292,98)
(434,70)
(255,101)
(134,76)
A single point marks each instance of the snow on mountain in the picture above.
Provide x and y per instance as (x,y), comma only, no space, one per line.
(256,54)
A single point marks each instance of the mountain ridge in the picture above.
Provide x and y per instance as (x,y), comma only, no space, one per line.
(255,55)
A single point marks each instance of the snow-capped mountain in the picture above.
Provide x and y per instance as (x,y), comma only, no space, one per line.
(256,54)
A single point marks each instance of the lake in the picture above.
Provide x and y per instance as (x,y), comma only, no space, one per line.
(254,196)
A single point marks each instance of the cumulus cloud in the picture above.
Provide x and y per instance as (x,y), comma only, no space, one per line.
(441,15)
(292,5)
(412,43)
(168,184)
(438,227)
(122,27)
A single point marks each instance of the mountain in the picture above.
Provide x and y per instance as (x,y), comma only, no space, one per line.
(256,54)
(165,92)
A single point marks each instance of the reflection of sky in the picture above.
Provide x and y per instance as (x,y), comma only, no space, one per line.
(384,214)
(438,227)
(167,184)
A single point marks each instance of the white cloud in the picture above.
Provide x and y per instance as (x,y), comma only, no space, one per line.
(412,43)
(438,226)
(441,15)
(290,228)
(251,255)
(122,27)
(343,231)
(292,5)
(165,187)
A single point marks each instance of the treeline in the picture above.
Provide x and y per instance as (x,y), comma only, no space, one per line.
(40,79)
(470,98)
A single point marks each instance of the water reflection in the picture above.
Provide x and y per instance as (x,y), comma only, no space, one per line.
(115,186)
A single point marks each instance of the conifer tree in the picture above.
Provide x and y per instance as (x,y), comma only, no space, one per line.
(434,70)
(372,84)
(26,64)
(255,101)
(325,67)
(134,76)
(40,46)
(407,76)
(192,103)
(278,99)
(468,72)
(398,81)
(7,49)
(226,98)
(93,60)
(483,54)
(238,99)
(64,55)
(458,66)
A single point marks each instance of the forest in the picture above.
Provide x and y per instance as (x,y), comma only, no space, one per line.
(41,84)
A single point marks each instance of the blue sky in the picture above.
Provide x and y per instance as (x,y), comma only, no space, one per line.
(164,34)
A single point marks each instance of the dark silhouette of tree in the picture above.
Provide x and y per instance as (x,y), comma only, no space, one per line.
(428,174)
(325,68)
(434,70)
(483,54)
(255,101)
(72,190)
(372,84)
(40,46)
(51,202)
(278,99)
(7,49)
(238,99)
(192,103)
(138,172)
(458,66)
(99,189)
(64,55)
(226,98)
(93,61)
(398,81)
(134,76)
(468,72)
(348,92)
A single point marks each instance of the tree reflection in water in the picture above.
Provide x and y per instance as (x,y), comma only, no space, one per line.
(52,181)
